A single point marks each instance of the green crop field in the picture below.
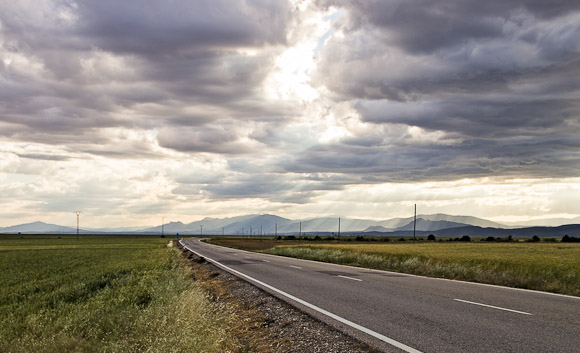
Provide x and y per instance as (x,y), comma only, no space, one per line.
(103,294)
(553,267)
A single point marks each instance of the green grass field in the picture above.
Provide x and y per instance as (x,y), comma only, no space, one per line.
(104,294)
(553,267)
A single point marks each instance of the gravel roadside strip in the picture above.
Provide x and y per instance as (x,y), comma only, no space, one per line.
(276,326)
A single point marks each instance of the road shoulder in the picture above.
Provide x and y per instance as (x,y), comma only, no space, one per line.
(271,325)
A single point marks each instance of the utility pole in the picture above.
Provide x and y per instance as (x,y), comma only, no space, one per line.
(415,223)
(339,226)
(223,231)
(300,232)
(276,230)
(78,213)
(162,226)
(201,229)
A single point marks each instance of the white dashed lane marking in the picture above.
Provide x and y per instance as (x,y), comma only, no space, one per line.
(493,307)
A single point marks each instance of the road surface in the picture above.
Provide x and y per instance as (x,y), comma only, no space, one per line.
(404,313)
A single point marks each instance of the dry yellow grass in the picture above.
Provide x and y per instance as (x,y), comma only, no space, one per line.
(551,267)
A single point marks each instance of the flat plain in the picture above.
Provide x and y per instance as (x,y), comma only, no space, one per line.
(104,294)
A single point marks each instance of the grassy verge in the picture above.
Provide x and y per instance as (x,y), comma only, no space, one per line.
(105,295)
(547,267)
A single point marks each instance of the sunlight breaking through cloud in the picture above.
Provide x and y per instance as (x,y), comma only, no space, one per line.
(324,107)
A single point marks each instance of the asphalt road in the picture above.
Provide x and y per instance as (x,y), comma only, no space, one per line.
(397,312)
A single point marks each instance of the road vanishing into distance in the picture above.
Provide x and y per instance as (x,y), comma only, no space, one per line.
(396,312)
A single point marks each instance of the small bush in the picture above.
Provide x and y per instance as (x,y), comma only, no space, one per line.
(569,239)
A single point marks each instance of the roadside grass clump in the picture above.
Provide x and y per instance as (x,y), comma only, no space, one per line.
(552,267)
(105,295)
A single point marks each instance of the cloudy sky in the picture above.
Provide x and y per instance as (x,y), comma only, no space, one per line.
(133,110)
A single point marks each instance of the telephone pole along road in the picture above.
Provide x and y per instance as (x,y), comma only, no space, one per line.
(404,313)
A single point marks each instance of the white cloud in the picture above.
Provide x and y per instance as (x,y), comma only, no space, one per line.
(497,199)
(219,108)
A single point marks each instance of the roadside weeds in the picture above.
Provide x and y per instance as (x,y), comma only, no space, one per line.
(265,323)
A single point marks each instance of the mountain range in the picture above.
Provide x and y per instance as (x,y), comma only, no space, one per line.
(437,224)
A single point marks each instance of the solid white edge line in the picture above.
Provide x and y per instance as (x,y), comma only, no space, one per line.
(494,307)
(354,279)
(295,267)
(532,291)
(312,306)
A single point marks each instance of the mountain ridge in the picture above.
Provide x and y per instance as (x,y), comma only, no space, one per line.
(269,224)
(34,227)
(476,231)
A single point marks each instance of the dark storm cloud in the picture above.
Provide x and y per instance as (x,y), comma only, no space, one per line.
(413,50)
(261,185)
(158,28)
(477,118)
(87,65)
(422,26)
(547,157)
(271,186)
(259,176)
(424,91)
(495,83)
(219,139)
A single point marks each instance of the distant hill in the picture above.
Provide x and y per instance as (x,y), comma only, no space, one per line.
(397,223)
(216,224)
(232,225)
(168,228)
(262,224)
(474,231)
(39,228)
(327,224)
(550,222)
(437,224)
(422,225)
